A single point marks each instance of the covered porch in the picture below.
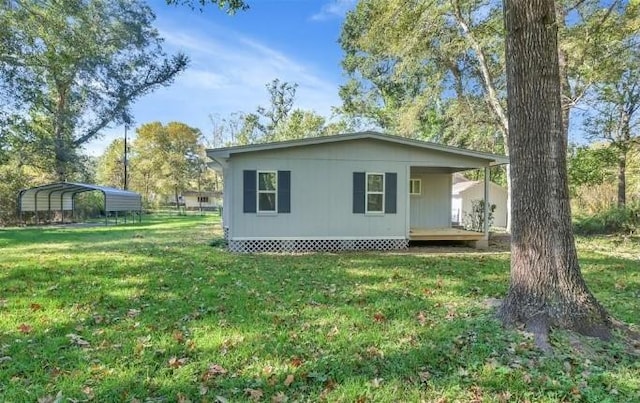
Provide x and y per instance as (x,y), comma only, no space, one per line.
(430,201)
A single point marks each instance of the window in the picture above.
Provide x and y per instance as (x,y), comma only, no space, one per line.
(267,191)
(415,187)
(375,193)
(203,199)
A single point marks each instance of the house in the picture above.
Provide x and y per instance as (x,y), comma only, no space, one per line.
(464,193)
(205,200)
(364,190)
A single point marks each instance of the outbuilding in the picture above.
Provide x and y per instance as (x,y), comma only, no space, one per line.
(465,193)
(44,201)
(354,191)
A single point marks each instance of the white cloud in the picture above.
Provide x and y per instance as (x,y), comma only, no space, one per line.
(334,9)
(228,73)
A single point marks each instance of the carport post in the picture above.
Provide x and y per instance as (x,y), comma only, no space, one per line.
(62,206)
(49,207)
(20,212)
(35,199)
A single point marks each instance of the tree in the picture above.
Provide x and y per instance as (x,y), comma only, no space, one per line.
(546,287)
(276,122)
(230,6)
(589,165)
(281,96)
(81,73)
(416,66)
(615,97)
(110,167)
(165,158)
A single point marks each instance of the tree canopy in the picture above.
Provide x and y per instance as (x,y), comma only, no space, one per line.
(70,68)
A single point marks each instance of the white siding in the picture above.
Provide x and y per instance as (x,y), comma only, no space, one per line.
(322,190)
(431,209)
(321,201)
(497,196)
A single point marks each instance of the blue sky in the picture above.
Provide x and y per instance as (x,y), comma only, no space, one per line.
(233,57)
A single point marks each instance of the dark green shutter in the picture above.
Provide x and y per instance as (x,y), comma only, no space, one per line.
(390,192)
(359,192)
(249,185)
(284,191)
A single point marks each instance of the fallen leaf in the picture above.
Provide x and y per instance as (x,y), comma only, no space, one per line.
(375,382)
(221,399)
(424,376)
(213,371)
(87,390)
(379,317)
(175,362)
(504,397)
(178,336)
(296,361)
(421,318)
(24,328)
(132,313)
(36,307)
(289,380)
(255,394)
(78,341)
(279,397)
(51,399)
(361,399)
(182,398)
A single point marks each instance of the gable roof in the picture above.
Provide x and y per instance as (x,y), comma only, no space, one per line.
(460,187)
(226,152)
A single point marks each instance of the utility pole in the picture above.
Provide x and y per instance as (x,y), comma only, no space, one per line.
(125,157)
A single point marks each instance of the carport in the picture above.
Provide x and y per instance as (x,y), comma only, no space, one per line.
(61,197)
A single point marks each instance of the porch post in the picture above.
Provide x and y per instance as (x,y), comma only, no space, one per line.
(486,203)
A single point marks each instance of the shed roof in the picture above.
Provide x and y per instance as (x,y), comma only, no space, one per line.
(59,196)
(226,152)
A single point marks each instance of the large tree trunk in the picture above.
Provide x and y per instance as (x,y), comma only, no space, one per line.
(547,288)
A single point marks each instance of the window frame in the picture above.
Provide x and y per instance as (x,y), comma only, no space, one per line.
(367,192)
(258,192)
(411,189)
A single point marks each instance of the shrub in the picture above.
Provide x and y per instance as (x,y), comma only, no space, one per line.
(609,221)
(474,221)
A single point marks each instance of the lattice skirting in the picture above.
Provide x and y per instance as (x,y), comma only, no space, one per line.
(225,233)
(315,245)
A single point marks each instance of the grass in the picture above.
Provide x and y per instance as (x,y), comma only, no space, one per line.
(152,312)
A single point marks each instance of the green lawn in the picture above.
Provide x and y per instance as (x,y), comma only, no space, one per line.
(152,312)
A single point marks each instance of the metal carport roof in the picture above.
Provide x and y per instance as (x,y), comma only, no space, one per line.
(60,196)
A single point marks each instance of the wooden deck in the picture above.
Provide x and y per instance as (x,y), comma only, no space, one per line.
(443,234)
